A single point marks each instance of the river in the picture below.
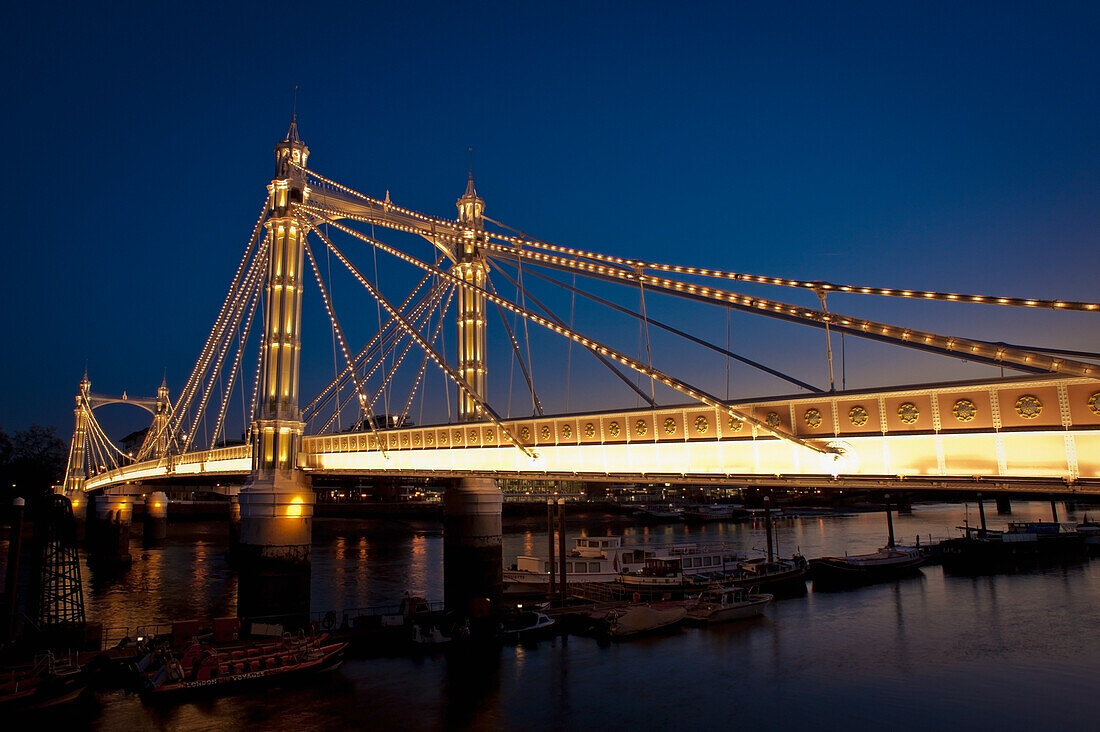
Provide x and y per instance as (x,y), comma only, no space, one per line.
(935,651)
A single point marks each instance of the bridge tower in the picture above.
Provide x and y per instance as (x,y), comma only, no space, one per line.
(74,471)
(159,431)
(276,505)
(472,553)
(472,268)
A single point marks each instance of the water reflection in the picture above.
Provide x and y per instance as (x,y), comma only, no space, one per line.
(935,651)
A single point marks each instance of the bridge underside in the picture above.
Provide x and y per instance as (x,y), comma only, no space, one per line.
(1037,434)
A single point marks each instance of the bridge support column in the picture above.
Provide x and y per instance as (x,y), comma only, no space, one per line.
(155,525)
(234,525)
(273,555)
(473,558)
(109,531)
(80,503)
(276,522)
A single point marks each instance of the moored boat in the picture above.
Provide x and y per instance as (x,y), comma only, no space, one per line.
(1091,531)
(607,559)
(713,512)
(205,669)
(527,625)
(45,683)
(1020,546)
(778,576)
(722,604)
(637,620)
(887,563)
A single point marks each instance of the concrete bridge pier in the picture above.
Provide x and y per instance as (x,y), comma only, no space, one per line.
(273,555)
(109,530)
(473,558)
(234,525)
(79,502)
(155,524)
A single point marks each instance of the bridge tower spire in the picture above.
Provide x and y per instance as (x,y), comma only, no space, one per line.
(277,502)
(472,268)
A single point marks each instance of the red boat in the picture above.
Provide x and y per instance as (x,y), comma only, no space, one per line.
(206,669)
(46,683)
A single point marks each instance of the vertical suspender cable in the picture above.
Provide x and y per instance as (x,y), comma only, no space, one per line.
(569,347)
(727,357)
(644,324)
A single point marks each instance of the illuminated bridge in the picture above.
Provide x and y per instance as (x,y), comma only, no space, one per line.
(658,367)
(1036,428)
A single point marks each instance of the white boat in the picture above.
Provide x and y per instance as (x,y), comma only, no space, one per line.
(527,625)
(606,559)
(721,604)
(683,566)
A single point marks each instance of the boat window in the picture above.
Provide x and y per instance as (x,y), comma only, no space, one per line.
(707,561)
(568,566)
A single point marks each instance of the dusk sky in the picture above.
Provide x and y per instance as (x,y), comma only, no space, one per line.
(947,146)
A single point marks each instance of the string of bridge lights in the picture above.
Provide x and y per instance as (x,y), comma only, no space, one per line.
(646,370)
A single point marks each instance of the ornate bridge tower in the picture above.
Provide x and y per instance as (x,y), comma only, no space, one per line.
(277,503)
(472,268)
(472,554)
(74,471)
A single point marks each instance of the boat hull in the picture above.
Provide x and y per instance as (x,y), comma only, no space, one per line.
(976,555)
(851,571)
(327,658)
(742,611)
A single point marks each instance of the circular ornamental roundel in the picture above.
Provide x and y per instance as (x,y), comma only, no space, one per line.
(701,424)
(1028,406)
(813,418)
(670,426)
(1094,402)
(857,415)
(965,410)
(613,429)
(908,412)
(735,424)
(525,433)
(567,432)
(772,419)
(589,430)
(640,427)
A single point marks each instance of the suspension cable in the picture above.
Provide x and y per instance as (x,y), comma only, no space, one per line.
(694,339)
(681,386)
(435,356)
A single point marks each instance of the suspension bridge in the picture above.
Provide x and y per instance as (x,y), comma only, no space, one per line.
(1036,428)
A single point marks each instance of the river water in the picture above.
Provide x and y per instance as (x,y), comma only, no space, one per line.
(935,651)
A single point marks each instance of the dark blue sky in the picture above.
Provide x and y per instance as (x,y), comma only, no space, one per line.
(926,145)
